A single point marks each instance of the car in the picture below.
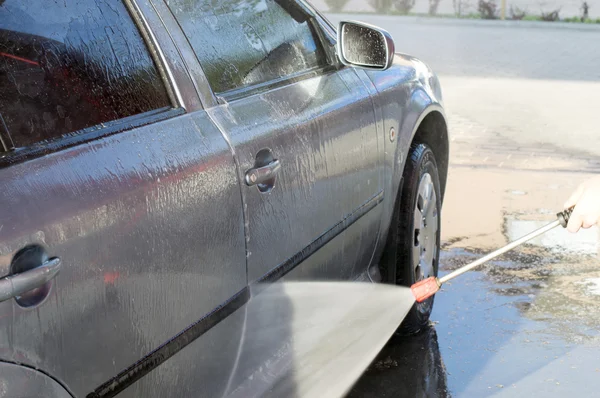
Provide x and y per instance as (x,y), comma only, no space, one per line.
(160,160)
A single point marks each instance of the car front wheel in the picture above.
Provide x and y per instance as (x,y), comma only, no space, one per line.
(418,229)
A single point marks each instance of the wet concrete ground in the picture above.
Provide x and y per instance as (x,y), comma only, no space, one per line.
(528,323)
(523,326)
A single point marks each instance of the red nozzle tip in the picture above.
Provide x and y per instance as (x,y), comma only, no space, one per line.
(424,289)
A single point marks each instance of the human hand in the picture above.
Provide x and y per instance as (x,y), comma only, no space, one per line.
(586,200)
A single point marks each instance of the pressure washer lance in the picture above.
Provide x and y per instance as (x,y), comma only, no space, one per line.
(428,287)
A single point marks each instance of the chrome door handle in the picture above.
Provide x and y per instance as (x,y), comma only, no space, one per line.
(18,284)
(261,175)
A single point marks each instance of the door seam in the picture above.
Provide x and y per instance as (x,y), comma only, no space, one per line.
(372,92)
(238,174)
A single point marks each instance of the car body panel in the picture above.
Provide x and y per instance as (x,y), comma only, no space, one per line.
(157,229)
(329,167)
(404,98)
(139,220)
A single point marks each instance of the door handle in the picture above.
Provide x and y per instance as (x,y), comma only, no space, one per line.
(17,284)
(261,175)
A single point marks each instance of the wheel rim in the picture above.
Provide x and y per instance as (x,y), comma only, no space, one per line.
(425,234)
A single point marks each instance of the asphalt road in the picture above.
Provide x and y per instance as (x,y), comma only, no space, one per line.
(533,84)
(568,8)
(522,105)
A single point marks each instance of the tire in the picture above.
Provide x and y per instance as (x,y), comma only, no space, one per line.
(418,230)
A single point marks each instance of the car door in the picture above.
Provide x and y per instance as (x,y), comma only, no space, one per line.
(303,131)
(109,166)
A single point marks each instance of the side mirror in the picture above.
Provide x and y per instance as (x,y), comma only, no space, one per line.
(364,46)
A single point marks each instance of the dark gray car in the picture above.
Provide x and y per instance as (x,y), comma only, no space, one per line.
(169,156)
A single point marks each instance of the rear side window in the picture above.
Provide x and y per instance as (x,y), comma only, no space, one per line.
(242,43)
(71,64)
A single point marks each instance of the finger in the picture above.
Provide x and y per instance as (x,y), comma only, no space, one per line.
(575,221)
(572,201)
(588,222)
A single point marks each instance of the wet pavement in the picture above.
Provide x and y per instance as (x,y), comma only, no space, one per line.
(528,323)
(523,326)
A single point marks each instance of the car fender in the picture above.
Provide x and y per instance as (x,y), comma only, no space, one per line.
(425,97)
(405,94)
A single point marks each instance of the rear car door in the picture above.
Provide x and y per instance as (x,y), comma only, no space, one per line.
(303,130)
(108,166)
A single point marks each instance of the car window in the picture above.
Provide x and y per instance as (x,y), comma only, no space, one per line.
(71,64)
(242,43)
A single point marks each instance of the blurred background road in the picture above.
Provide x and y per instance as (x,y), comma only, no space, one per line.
(522,102)
(531,83)
(568,8)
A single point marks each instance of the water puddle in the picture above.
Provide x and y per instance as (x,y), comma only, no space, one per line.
(544,282)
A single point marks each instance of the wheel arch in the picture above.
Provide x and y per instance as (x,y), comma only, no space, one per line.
(433,131)
(428,127)
(410,98)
